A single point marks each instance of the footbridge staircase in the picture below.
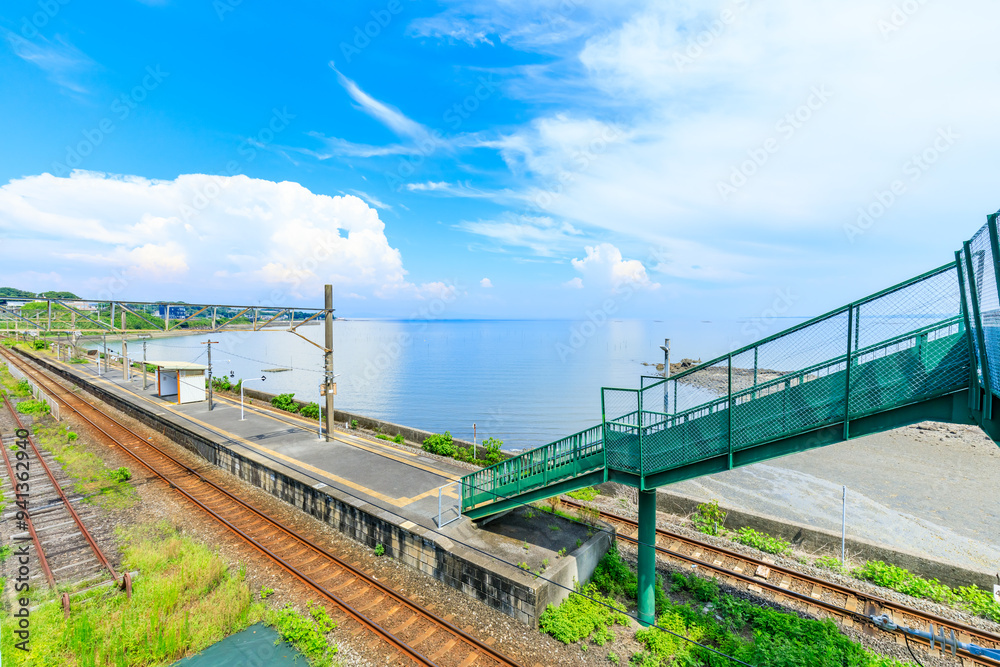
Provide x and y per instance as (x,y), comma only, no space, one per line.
(925,349)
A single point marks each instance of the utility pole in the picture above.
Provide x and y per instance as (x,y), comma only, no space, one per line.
(124,351)
(209,343)
(144,365)
(666,357)
(105,337)
(328,346)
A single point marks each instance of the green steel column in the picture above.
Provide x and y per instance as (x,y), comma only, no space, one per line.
(647,557)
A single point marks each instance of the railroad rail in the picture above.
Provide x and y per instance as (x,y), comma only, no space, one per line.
(849,606)
(65,548)
(391,621)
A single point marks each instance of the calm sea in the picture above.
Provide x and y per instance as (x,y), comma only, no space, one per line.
(524,382)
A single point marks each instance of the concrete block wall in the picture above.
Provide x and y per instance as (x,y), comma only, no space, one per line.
(503,587)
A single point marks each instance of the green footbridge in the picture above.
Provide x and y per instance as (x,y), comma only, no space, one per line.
(925,349)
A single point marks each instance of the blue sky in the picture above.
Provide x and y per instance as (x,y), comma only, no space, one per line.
(494,159)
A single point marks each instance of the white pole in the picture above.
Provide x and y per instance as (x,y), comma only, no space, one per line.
(843,532)
(241,400)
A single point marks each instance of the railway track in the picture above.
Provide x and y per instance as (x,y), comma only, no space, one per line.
(379,618)
(67,551)
(851,608)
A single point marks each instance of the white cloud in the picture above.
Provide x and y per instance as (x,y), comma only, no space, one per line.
(60,60)
(486,282)
(252,236)
(389,116)
(574,283)
(542,235)
(604,268)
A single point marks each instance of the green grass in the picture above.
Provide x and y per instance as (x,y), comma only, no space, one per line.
(763,541)
(585,494)
(306,633)
(184,600)
(33,407)
(697,610)
(12,387)
(579,617)
(971,598)
(102,486)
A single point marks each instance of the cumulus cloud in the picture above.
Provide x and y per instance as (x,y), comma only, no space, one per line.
(486,282)
(604,268)
(228,234)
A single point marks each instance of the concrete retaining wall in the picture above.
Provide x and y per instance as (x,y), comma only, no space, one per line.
(520,595)
(35,391)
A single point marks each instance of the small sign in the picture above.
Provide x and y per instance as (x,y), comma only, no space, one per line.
(996,593)
(333,389)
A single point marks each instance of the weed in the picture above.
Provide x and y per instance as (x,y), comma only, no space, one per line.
(265,593)
(529,514)
(762,541)
(525,546)
(545,563)
(554,527)
(613,658)
(523,565)
(33,408)
(579,543)
(307,634)
(310,411)
(585,494)
(122,474)
(5,552)
(579,616)
(354,423)
(829,563)
(562,552)
(709,518)
(71,437)
(379,550)
(398,439)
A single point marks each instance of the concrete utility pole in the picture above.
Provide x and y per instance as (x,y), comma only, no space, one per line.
(144,365)
(209,343)
(328,345)
(124,352)
(666,357)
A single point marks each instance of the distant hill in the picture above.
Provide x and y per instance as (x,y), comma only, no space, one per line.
(12,292)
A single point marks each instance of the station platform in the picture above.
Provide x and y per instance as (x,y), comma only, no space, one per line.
(378,493)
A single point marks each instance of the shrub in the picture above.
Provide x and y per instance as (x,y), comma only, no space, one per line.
(440,444)
(306,634)
(709,518)
(285,402)
(398,439)
(493,450)
(310,411)
(379,550)
(22,388)
(354,423)
(763,541)
(39,345)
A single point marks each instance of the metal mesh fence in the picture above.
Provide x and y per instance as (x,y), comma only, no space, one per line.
(985,307)
(621,428)
(899,346)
